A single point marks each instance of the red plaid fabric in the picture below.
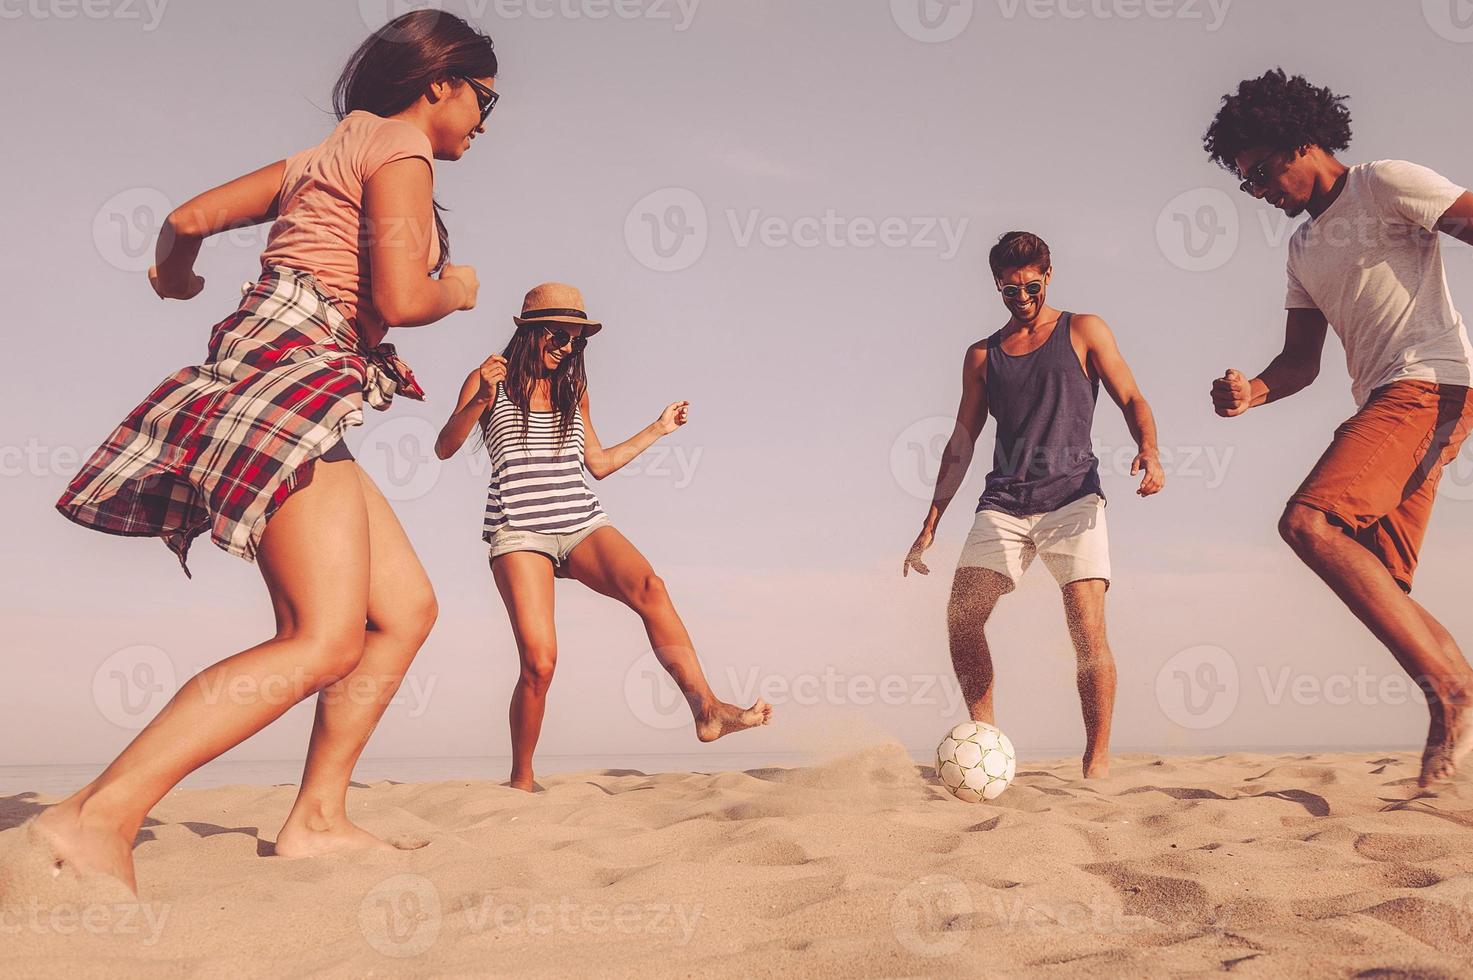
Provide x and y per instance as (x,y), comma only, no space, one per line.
(219,446)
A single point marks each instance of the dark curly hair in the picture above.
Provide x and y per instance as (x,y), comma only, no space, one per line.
(1280,112)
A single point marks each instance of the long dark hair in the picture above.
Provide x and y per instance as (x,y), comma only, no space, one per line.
(392,69)
(524,368)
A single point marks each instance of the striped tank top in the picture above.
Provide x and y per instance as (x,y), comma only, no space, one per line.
(537,483)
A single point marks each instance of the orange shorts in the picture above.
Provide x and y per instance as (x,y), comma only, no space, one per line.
(1378,479)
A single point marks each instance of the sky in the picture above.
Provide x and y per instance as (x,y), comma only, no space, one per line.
(781,211)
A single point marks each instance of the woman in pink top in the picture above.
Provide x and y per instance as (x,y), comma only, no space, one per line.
(248,445)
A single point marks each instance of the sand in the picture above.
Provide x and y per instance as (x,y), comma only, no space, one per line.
(1262,865)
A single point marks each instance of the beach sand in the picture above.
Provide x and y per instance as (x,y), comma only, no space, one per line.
(1262,865)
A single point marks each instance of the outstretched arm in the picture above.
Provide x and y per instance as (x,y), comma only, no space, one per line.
(956,458)
(603,462)
(1293,370)
(245,201)
(1110,367)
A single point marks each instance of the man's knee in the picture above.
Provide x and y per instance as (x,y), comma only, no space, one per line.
(1302,527)
(974,595)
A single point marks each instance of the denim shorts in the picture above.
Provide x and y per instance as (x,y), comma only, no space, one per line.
(556,547)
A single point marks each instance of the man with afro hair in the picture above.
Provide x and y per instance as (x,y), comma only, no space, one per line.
(1368,262)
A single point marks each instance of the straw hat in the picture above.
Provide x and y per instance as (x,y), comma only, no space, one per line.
(556,302)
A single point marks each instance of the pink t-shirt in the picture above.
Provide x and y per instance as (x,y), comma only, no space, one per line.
(319,228)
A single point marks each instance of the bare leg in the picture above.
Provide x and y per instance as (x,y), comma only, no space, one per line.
(606,562)
(974,595)
(401,612)
(1450,732)
(525,581)
(1407,630)
(1084,607)
(314,556)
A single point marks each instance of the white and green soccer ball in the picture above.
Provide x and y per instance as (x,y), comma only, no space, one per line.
(975,762)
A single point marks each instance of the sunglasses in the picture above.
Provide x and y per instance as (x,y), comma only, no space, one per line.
(558,339)
(1257,177)
(486,98)
(1032,289)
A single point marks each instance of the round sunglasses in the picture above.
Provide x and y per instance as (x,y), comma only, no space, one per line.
(558,339)
(1013,292)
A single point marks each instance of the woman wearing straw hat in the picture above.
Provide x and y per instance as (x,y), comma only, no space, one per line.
(543,522)
(247,445)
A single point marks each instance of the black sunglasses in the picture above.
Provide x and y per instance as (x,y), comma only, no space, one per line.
(558,339)
(1032,289)
(1257,177)
(486,98)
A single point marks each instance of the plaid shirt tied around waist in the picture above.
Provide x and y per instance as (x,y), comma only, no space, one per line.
(219,446)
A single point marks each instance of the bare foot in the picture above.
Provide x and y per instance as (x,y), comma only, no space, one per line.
(84,847)
(525,783)
(1449,740)
(299,840)
(1096,767)
(723,719)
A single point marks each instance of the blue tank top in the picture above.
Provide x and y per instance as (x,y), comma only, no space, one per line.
(1044,404)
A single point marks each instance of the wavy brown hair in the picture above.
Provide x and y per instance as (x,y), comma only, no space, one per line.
(400,60)
(524,368)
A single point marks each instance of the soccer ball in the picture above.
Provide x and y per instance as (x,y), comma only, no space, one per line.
(975,762)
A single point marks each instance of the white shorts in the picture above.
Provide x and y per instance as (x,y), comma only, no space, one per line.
(1072,540)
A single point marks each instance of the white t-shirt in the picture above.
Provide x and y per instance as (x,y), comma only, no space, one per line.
(1372,263)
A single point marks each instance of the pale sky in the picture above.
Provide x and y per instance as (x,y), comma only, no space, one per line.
(826,178)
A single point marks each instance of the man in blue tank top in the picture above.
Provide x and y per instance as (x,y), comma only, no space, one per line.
(1039,376)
